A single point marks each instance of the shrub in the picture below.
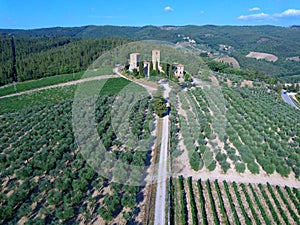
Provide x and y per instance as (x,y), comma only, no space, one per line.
(253,167)
(283,170)
(212,165)
(269,168)
(195,161)
(240,167)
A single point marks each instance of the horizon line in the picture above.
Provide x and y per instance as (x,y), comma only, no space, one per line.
(149,25)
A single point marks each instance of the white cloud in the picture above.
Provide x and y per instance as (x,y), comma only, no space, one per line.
(258,16)
(275,16)
(254,9)
(288,13)
(168,9)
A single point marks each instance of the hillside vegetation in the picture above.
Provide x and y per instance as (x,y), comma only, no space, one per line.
(47,56)
(241,39)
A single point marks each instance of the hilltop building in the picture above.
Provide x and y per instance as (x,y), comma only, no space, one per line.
(155,58)
(134,61)
(178,70)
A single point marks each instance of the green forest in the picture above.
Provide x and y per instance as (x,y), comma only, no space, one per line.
(40,57)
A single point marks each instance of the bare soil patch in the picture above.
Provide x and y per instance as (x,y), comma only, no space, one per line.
(261,55)
(295,58)
(248,83)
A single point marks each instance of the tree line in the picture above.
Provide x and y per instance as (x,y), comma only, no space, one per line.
(48,56)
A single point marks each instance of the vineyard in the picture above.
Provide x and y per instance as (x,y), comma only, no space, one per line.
(46,179)
(240,129)
(214,202)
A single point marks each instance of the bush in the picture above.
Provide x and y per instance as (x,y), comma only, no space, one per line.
(269,168)
(225,166)
(240,167)
(283,170)
(196,162)
(160,107)
(212,165)
(253,167)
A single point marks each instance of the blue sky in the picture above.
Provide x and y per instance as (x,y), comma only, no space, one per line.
(48,13)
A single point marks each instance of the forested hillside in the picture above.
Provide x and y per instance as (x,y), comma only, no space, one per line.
(57,50)
(46,56)
(271,39)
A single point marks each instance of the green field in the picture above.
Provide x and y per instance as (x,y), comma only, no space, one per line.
(56,95)
(48,81)
(43,82)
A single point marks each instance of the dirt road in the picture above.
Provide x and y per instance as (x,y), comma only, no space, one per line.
(161,192)
(62,85)
(148,87)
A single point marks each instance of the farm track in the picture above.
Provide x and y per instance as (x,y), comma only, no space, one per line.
(62,85)
(161,192)
(231,176)
(149,88)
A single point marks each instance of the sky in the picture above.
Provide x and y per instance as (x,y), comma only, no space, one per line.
(30,14)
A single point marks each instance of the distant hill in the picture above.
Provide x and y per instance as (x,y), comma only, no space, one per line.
(283,42)
(209,34)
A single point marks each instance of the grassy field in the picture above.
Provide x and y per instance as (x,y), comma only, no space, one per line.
(48,81)
(56,95)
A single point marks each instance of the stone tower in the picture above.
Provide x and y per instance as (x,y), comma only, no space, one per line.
(155,58)
(134,60)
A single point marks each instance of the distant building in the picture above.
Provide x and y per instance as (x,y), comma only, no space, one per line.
(155,58)
(134,61)
(178,70)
